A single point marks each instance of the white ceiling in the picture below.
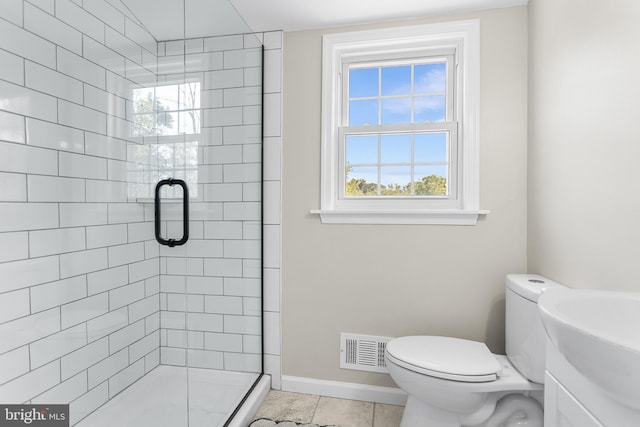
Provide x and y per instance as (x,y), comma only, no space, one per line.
(164,18)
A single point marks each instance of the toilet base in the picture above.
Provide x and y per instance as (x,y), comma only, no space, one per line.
(512,409)
(418,414)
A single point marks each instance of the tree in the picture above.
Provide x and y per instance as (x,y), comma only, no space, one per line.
(395,190)
(431,185)
(151,117)
(360,187)
(189,94)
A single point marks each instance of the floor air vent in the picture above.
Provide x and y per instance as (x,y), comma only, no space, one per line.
(363,352)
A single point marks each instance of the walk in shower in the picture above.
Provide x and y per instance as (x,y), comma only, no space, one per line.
(131,210)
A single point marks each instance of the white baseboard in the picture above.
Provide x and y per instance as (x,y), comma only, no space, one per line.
(367,393)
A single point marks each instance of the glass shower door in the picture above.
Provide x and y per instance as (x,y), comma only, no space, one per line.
(209,133)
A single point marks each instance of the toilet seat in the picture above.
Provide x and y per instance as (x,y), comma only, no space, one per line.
(445,357)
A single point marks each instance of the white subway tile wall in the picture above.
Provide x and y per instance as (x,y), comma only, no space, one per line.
(87,299)
(272,173)
(200,278)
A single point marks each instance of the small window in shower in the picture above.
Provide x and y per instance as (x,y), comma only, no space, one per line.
(167,110)
(166,123)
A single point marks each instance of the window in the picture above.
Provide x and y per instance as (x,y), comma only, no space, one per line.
(166,123)
(400,117)
(398,128)
(172,109)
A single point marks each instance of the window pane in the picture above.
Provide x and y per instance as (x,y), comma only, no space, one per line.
(430,180)
(430,78)
(429,109)
(189,94)
(362,149)
(395,181)
(144,125)
(168,156)
(395,148)
(363,112)
(363,82)
(396,80)
(189,122)
(361,181)
(167,97)
(167,123)
(430,147)
(396,110)
(143,100)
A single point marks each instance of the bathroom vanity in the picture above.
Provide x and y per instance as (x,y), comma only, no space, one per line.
(592,358)
(561,406)
(571,400)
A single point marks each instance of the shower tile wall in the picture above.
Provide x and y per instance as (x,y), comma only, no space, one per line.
(272,204)
(80,282)
(79,267)
(210,296)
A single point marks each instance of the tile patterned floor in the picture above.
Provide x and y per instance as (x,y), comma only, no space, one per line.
(307,408)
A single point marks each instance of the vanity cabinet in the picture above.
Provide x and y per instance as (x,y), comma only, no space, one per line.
(572,400)
(561,409)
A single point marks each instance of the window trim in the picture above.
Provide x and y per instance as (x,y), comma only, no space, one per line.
(338,48)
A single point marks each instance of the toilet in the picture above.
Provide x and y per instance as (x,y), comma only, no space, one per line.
(454,382)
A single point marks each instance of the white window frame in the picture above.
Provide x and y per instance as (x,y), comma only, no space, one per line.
(341,49)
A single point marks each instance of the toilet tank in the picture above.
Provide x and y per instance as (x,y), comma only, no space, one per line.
(524,334)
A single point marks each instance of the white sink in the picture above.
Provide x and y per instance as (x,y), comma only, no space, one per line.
(598,332)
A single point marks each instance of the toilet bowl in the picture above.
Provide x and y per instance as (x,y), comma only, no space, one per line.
(453,382)
(459,385)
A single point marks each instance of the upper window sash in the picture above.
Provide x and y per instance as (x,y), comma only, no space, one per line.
(435,56)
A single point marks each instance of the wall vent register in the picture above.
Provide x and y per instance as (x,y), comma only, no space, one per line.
(363,352)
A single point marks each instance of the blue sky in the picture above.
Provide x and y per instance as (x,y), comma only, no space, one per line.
(428,147)
(369,86)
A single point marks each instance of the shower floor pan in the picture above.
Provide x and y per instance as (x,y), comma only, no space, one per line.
(181,397)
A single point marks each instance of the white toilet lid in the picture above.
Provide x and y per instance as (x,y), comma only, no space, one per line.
(445,357)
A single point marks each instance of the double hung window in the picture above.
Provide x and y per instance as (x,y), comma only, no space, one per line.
(399,128)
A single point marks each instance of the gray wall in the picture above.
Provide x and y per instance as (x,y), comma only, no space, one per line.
(400,280)
(584,179)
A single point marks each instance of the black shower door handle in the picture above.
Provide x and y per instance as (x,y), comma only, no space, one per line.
(185,212)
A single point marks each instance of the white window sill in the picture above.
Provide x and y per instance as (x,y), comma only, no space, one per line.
(432,217)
